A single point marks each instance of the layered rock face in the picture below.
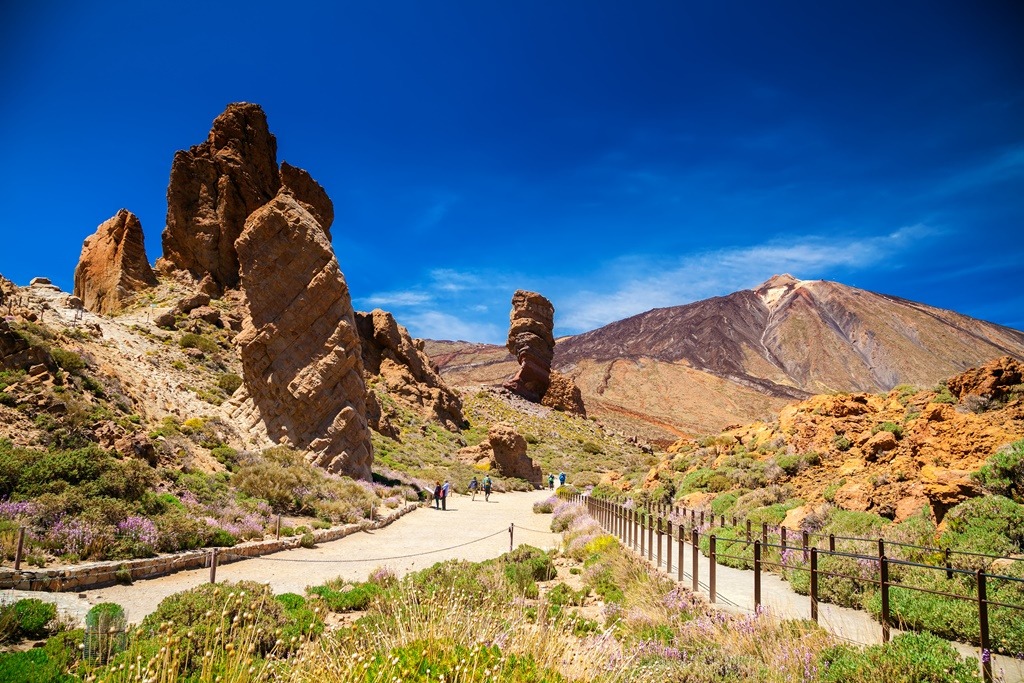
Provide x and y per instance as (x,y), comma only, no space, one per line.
(215,186)
(991,381)
(405,371)
(113,265)
(302,369)
(504,450)
(564,395)
(531,341)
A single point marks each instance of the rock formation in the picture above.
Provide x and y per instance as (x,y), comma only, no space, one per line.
(113,265)
(530,340)
(504,450)
(302,369)
(405,371)
(215,186)
(564,395)
(17,354)
(991,381)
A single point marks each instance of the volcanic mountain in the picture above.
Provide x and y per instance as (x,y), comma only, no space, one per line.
(697,368)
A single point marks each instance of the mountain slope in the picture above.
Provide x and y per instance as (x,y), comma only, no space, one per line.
(730,359)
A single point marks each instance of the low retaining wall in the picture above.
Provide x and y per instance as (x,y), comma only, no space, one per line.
(100,574)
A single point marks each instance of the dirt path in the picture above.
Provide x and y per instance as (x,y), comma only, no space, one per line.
(469,530)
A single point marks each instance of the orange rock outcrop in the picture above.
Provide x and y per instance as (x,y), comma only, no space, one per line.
(113,265)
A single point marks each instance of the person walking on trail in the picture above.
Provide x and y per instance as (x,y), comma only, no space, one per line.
(473,486)
(487,487)
(444,494)
(561,479)
(551,482)
(437,495)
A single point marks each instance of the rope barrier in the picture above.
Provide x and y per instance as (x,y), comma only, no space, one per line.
(368,559)
(536,531)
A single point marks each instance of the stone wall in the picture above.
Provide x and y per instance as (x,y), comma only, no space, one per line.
(100,574)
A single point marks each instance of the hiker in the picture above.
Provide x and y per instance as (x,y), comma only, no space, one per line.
(437,495)
(551,481)
(444,494)
(561,479)
(474,485)
(487,487)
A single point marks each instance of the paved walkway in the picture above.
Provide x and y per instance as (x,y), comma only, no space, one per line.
(472,530)
(735,591)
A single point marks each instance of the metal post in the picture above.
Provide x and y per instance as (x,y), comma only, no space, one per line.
(757,575)
(712,561)
(764,533)
(511,530)
(682,547)
(721,520)
(213,566)
(831,543)
(668,546)
(884,587)
(659,543)
(814,584)
(803,542)
(279,527)
(748,531)
(20,550)
(949,564)
(650,538)
(694,552)
(702,519)
(986,645)
(782,535)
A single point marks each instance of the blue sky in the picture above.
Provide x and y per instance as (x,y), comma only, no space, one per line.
(615,156)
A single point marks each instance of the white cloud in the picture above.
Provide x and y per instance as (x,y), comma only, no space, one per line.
(385,299)
(430,324)
(643,284)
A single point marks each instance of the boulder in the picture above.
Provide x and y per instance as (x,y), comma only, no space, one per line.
(504,450)
(563,394)
(215,186)
(302,368)
(113,265)
(18,354)
(992,380)
(854,496)
(531,342)
(881,442)
(206,314)
(188,303)
(165,319)
(391,355)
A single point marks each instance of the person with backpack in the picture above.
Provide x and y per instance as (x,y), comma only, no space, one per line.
(551,481)
(437,495)
(561,479)
(474,485)
(487,487)
(445,488)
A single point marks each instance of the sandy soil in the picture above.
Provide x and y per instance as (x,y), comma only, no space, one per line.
(470,529)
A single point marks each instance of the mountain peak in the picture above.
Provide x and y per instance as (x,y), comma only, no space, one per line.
(775,288)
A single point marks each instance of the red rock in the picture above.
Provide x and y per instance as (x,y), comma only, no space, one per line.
(505,450)
(530,340)
(113,265)
(992,380)
(310,194)
(302,367)
(563,394)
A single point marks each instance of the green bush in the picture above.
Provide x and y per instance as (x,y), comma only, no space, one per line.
(993,525)
(909,658)
(723,503)
(842,443)
(33,666)
(190,340)
(591,447)
(1003,473)
(229,382)
(34,617)
(346,597)
(67,360)
(895,429)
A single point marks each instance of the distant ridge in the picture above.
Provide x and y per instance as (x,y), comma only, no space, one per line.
(699,367)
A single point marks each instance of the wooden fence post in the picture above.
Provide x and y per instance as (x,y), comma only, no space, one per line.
(884,587)
(213,566)
(711,569)
(814,584)
(694,551)
(986,645)
(21,549)
(668,546)
(757,575)
(682,549)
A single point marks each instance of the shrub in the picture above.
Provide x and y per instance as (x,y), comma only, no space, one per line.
(592,448)
(346,597)
(723,503)
(943,395)
(229,382)
(992,525)
(34,617)
(190,340)
(909,658)
(37,665)
(895,429)
(67,360)
(547,505)
(1003,473)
